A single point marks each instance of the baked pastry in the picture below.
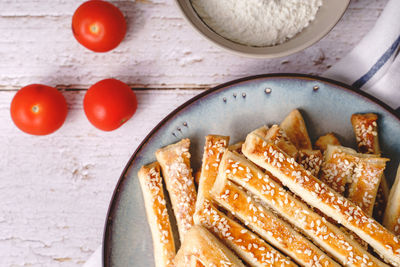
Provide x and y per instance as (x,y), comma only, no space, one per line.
(295,128)
(391,218)
(363,173)
(262,221)
(206,248)
(335,242)
(322,197)
(214,148)
(311,160)
(276,135)
(248,246)
(325,140)
(365,128)
(157,214)
(366,131)
(367,176)
(338,167)
(175,164)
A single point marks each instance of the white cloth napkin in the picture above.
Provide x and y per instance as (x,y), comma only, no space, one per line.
(372,66)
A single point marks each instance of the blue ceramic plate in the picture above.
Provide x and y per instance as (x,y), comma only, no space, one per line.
(234,109)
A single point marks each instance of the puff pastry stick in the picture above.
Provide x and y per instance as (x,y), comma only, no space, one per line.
(366,179)
(322,197)
(362,171)
(329,237)
(392,213)
(237,147)
(311,160)
(276,135)
(252,249)
(366,131)
(262,221)
(157,215)
(231,233)
(214,148)
(338,167)
(295,128)
(201,244)
(175,164)
(325,140)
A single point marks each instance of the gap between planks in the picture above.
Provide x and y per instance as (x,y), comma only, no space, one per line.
(135,87)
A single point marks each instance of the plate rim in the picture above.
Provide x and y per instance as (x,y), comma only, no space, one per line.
(106,240)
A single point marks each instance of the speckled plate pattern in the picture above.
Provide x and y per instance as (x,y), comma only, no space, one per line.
(234,109)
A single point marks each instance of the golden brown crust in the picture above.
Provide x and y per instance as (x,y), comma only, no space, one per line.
(214,148)
(319,195)
(325,140)
(157,215)
(175,164)
(295,128)
(366,179)
(311,160)
(201,244)
(362,172)
(392,213)
(276,135)
(331,239)
(228,231)
(244,243)
(267,225)
(338,167)
(366,131)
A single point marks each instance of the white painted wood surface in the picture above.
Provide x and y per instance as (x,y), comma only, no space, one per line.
(55,190)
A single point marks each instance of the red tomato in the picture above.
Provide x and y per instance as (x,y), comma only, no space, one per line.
(98,25)
(109,103)
(38,109)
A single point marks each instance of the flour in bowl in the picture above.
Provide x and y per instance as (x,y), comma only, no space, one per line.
(257,22)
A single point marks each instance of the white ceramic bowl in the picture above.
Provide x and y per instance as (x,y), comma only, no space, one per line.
(327,16)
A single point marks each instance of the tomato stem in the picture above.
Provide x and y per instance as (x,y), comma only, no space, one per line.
(35,109)
(94,28)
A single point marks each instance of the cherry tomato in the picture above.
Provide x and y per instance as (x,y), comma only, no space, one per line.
(98,25)
(109,103)
(38,109)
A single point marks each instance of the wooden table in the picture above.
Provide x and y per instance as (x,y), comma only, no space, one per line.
(55,190)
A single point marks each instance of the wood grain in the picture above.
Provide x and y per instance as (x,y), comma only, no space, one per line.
(160,49)
(55,190)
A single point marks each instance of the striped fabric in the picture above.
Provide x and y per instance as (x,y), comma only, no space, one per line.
(373,66)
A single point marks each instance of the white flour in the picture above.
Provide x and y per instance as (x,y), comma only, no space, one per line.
(257,22)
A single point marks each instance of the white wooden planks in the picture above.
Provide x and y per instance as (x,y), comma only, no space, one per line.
(160,49)
(55,190)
